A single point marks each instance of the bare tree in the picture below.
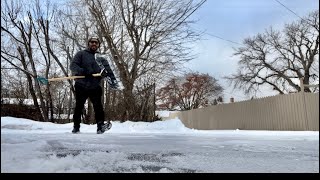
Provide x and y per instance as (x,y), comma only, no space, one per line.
(74,27)
(277,59)
(144,37)
(16,88)
(17,30)
(190,92)
(26,45)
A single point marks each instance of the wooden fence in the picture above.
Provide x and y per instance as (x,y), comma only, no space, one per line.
(290,112)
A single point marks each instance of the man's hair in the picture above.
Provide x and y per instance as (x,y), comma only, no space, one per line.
(93,38)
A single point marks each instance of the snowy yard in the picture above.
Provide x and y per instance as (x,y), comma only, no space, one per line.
(159,147)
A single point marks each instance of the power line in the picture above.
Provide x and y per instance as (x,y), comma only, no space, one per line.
(223,39)
(292,11)
(8,68)
(218,37)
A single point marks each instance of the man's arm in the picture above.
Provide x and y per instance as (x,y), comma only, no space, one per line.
(107,71)
(75,65)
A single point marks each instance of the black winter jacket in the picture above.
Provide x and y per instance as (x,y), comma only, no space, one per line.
(84,63)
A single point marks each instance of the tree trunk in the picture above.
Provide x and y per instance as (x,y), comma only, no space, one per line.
(33,95)
(70,107)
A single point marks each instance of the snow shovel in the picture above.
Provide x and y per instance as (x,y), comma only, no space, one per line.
(45,81)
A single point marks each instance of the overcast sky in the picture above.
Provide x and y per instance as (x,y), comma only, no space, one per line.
(235,20)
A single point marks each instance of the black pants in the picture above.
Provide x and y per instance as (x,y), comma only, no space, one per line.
(82,94)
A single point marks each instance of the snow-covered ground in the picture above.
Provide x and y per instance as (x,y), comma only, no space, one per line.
(158,147)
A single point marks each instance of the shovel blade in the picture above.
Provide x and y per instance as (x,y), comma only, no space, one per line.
(43,80)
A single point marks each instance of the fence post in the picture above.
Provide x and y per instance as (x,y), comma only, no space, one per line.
(301,85)
(304,103)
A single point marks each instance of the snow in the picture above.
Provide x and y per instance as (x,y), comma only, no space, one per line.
(157,147)
(17,101)
(163,113)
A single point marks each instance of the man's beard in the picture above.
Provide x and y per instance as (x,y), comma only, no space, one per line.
(93,48)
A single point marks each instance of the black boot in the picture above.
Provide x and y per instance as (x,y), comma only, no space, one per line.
(103,127)
(76,130)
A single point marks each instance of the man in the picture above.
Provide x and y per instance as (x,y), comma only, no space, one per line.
(85,64)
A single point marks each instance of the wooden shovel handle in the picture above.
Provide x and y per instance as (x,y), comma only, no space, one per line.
(72,77)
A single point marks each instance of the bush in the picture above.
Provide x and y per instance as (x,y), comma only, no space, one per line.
(20,111)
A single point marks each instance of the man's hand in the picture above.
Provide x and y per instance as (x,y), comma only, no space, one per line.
(113,84)
(87,74)
(104,73)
